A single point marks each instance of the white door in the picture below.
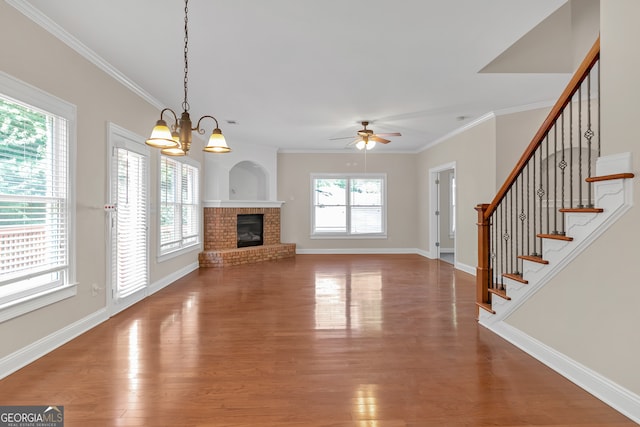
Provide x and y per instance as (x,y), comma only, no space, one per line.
(442,215)
(128,242)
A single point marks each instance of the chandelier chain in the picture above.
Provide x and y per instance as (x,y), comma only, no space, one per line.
(185,103)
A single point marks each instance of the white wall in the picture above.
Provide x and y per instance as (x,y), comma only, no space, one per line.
(294,188)
(473,151)
(218,166)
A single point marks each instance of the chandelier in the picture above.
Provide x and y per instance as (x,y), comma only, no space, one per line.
(176,141)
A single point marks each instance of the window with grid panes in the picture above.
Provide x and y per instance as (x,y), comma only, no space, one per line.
(36,202)
(348,205)
(179,204)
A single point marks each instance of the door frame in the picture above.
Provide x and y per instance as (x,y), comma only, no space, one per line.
(434,232)
(116,136)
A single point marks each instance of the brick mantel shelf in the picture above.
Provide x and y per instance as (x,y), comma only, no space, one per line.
(242,204)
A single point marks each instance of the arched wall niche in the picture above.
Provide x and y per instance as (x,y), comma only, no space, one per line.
(248,181)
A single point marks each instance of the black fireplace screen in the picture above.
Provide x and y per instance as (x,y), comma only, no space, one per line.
(250,230)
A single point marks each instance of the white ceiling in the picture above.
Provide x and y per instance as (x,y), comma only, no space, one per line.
(295,73)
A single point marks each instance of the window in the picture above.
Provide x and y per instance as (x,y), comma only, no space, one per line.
(179,204)
(36,203)
(348,205)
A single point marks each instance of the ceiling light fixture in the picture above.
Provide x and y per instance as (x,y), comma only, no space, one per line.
(364,142)
(177,140)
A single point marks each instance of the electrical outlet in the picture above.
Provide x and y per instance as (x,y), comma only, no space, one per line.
(95,290)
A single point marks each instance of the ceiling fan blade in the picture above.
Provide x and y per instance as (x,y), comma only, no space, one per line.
(378,139)
(352,143)
(389,134)
(342,137)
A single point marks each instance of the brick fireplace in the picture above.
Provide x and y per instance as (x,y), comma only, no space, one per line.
(221,239)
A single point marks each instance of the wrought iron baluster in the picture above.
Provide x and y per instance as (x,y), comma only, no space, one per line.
(540,193)
(515,230)
(562,165)
(492,250)
(529,211)
(555,179)
(523,216)
(511,268)
(599,128)
(546,144)
(580,204)
(535,241)
(571,154)
(504,236)
(589,135)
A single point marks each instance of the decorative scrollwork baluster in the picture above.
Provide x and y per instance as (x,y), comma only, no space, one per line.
(562,165)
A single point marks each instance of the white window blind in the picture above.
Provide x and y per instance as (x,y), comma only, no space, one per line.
(130,245)
(179,205)
(34,200)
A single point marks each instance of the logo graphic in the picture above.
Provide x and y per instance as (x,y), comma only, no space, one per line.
(32,416)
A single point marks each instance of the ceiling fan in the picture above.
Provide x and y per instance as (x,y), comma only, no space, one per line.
(366,138)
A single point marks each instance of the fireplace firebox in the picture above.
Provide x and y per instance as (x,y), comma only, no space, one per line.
(249,230)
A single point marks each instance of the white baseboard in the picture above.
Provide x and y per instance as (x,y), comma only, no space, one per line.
(466,268)
(167,280)
(424,253)
(21,358)
(614,395)
(356,251)
(458,265)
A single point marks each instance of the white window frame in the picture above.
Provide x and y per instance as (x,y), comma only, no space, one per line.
(347,234)
(183,247)
(452,205)
(16,300)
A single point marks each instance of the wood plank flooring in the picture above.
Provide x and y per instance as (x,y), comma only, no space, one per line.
(315,340)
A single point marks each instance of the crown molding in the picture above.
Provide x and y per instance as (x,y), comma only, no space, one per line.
(61,34)
(459,130)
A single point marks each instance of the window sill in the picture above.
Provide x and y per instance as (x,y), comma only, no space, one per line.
(348,236)
(176,253)
(25,305)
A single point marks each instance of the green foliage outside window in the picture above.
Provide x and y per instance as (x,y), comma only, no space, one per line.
(24,134)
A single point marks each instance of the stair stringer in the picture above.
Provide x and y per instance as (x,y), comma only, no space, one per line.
(615,197)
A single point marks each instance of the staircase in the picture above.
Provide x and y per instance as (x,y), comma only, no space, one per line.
(560,197)
(612,198)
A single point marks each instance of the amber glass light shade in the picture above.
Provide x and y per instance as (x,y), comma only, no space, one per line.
(161,136)
(217,143)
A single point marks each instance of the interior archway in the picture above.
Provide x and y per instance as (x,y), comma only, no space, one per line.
(248,181)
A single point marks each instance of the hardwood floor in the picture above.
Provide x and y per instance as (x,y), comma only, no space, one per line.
(316,340)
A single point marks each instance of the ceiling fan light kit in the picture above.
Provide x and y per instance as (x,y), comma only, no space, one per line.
(365,143)
(176,140)
(366,137)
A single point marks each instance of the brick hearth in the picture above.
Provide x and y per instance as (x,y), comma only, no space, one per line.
(220,238)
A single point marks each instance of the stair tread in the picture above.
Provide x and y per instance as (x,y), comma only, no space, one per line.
(516,277)
(556,237)
(534,258)
(500,292)
(486,306)
(610,177)
(582,210)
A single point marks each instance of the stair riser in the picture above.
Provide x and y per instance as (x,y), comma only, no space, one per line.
(615,197)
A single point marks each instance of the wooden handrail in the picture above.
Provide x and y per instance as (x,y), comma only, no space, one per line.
(573,86)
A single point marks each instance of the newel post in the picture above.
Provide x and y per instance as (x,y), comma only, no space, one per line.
(483,268)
